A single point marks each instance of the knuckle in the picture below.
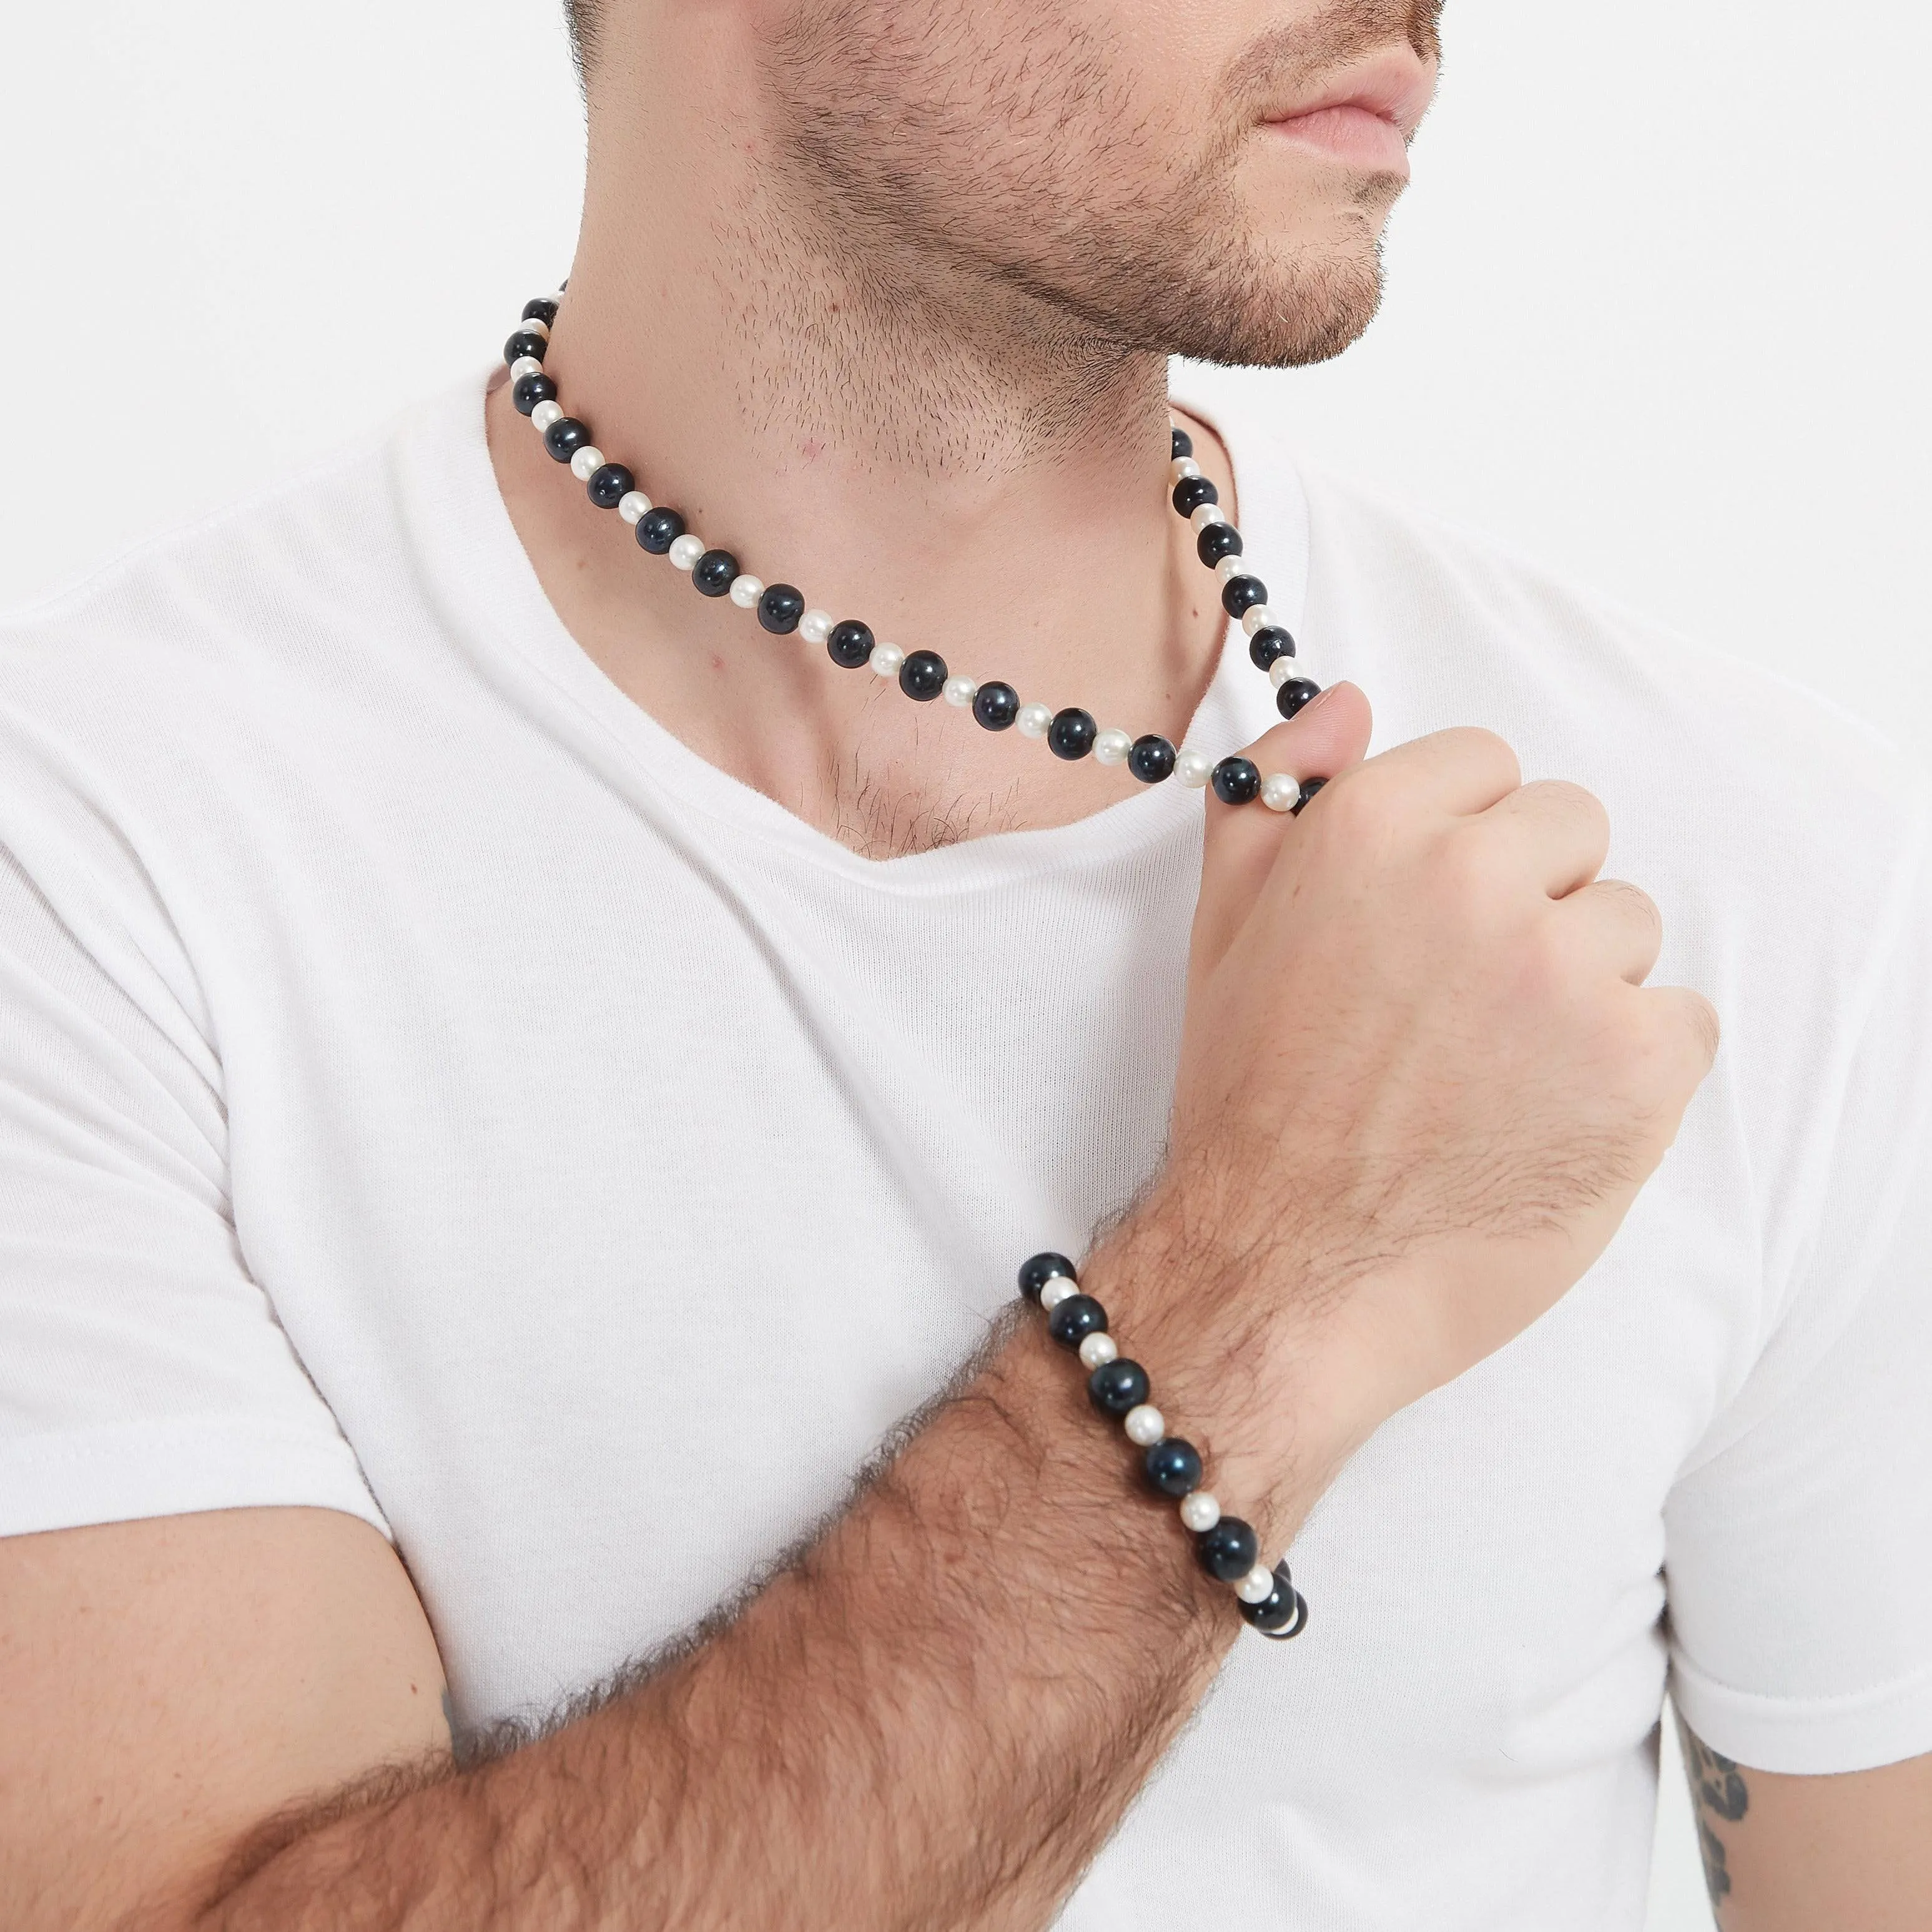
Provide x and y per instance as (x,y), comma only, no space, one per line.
(1707,1029)
(1481,748)
(1633,903)
(1575,803)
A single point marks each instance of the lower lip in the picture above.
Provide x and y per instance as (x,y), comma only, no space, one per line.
(1350,135)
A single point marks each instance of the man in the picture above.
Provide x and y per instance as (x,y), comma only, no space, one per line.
(514,1079)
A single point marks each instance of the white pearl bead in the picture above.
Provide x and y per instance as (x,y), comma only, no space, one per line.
(555,298)
(634,506)
(815,626)
(746,592)
(534,325)
(1182,467)
(1257,1586)
(1097,1351)
(960,691)
(1112,747)
(1256,617)
(885,659)
(686,550)
(1193,768)
(1205,513)
(525,365)
(1145,1425)
(1280,791)
(1055,1292)
(1034,721)
(585,462)
(1282,669)
(1200,1511)
(1231,566)
(545,414)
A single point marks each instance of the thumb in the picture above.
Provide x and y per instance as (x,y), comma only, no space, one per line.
(1326,736)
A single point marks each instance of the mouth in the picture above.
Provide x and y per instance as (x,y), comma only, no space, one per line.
(1365,117)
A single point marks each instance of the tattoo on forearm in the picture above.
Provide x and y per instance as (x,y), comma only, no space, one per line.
(1717,1792)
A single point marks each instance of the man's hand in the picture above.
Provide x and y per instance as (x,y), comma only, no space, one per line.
(1419,1086)
(1421,1082)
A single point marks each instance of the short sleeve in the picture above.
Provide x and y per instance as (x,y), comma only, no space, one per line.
(142,1372)
(1799,1543)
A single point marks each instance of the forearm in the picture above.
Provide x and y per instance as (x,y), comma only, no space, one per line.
(933,1716)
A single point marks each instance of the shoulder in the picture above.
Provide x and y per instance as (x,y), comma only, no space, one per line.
(187,602)
(275,599)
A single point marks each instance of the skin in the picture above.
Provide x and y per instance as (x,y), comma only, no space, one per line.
(889,288)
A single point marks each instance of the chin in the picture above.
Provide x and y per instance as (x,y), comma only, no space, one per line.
(1292,303)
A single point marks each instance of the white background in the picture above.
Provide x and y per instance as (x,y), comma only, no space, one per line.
(1657,307)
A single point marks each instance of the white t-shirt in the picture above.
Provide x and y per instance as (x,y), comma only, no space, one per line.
(427,1090)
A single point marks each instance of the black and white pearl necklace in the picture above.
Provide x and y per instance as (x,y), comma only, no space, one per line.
(923,675)
(1225,1546)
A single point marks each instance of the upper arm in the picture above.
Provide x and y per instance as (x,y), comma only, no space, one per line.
(170,1684)
(1798,1540)
(1784,1854)
(1799,1546)
(200,1618)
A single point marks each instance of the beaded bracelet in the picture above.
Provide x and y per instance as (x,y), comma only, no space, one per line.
(1226,1547)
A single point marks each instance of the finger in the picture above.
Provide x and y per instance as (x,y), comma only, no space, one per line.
(1464,769)
(1691,1022)
(1327,736)
(1619,923)
(1563,830)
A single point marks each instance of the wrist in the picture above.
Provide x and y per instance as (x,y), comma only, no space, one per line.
(1242,1366)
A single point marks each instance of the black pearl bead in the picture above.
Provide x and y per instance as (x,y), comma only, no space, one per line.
(525,342)
(1283,1613)
(1242,593)
(540,308)
(658,530)
(1117,1386)
(780,607)
(850,643)
(1179,442)
(1151,760)
(529,391)
(1293,693)
(714,573)
(996,705)
(1216,541)
(923,676)
(1267,644)
(565,437)
(1072,734)
(609,486)
(1173,1467)
(1038,1269)
(1236,781)
(1309,787)
(1076,1318)
(1191,492)
(1227,1550)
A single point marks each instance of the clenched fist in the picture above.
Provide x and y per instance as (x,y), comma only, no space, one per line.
(1421,1082)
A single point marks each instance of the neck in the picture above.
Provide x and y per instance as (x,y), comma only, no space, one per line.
(968,470)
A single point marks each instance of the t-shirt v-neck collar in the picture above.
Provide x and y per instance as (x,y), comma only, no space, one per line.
(483,581)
